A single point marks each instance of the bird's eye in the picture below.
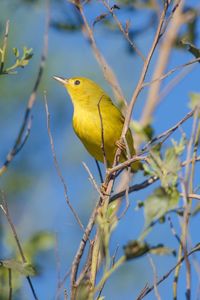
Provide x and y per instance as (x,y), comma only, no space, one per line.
(77,82)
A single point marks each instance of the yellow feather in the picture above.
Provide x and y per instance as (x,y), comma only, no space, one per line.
(94,115)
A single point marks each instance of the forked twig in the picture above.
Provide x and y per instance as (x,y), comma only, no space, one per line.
(124,32)
(59,173)
(170,72)
(169,131)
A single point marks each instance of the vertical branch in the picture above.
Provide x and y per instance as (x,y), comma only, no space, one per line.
(4,48)
(155,278)
(10,284)
(102,133)
(186,185)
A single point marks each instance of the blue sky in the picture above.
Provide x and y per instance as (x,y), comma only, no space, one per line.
(40,205)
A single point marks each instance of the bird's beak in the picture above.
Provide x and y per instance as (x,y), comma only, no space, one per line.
(60,79)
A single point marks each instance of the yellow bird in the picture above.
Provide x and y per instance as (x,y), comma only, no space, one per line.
(97,121)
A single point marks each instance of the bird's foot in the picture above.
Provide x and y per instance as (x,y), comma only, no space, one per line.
(103,189)
(121,145)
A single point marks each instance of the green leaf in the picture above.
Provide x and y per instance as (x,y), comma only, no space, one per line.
(192,49)
(179,147)
(162,250)
(134,249)
(167,167)
(40,241)
(194,100)
(25,269)
(16,52)
(159,203)
(170,167)
(145,132)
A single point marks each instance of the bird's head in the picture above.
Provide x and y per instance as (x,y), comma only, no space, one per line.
(81,89)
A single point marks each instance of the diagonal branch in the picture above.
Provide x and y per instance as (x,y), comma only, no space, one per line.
(148,289)
(124,32)
(106,69)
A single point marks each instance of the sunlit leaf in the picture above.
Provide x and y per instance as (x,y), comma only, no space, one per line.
(159,203)
(179,147)
(40,241)
(135,249)
(162,250)
(192,49)
(16,52)
(146,133)
(25,269)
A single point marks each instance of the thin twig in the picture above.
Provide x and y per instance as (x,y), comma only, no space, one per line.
(102,133)
(174,231)
(174,82)
(59,173)
(169,131)
(58,263)
(147,289)
(79,253)
(61,284)
(10,284)
(124,32)
(4,208)
(118,263)
(65,294)
(92,179)
(135,187)
(106,69)
(191,62)
(99,171)
(185,184)
(155,277)
(20,141)
(87,265)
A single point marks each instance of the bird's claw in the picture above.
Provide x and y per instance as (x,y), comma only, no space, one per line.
(103,189)
(121,145)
